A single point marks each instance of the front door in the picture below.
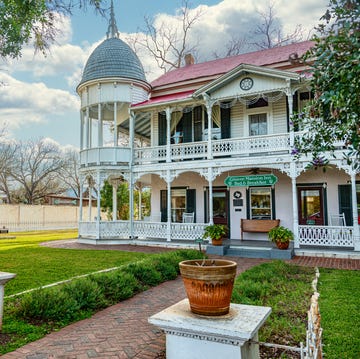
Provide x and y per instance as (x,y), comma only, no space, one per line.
(311,205)
(220,206)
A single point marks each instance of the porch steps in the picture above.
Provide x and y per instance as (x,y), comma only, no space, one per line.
(260,252)
(248,249)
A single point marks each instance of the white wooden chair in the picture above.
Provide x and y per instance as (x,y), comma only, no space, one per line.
(188,217)
(337,219)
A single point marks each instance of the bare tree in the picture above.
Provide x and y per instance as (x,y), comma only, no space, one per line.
(36,168)
(69,173)
(269,32)
(7,153)
(166,42)
(235,46)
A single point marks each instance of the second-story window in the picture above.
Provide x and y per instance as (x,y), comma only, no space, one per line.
(258,124)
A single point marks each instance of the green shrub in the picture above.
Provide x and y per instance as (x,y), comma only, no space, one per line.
(145,272)
(87,294)
(116,285)
(83,296)
(50,305)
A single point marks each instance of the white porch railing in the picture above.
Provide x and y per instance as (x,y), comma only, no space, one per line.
(142,230)
(150,230)
(269,144)
(326,236)
(104,156)
(252,145)
(317,236)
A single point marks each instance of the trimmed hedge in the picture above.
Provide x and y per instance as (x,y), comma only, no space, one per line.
(82,297)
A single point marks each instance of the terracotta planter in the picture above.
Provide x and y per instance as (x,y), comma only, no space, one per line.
(217,242)
(208,286)
(282,245)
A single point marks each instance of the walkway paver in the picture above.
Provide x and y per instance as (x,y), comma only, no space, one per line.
(123,332)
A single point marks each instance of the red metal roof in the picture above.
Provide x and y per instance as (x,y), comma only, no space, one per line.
(165,98)
(221,66)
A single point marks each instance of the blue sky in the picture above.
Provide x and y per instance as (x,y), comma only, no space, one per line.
(40,100)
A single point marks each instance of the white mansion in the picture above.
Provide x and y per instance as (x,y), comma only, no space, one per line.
(213,140)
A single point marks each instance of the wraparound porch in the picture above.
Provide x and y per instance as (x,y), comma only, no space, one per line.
(336,238)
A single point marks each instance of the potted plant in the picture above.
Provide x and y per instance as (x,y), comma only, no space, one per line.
(281,236)
(216,232)
(208,284)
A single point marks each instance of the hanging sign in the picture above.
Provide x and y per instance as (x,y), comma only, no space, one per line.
(251,180)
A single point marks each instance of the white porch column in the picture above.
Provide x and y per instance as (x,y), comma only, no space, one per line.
(132,134)
(81,129)
(139,188)
(90,199)
(295,212)
(81,201)
(115,125)
(131,197)
(115,183)
(209,112)
(131,204)
(98,212)
(114,203)
(168,134)
(356,226)
(90,132)
(211,211)
(100,128)
(168,181)
(290,104)
(87,131)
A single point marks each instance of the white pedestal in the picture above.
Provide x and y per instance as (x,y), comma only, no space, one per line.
(4,277)
(193,336)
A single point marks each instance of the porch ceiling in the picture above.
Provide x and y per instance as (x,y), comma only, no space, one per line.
(142,124)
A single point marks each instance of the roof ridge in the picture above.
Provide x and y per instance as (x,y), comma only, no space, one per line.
(231,60)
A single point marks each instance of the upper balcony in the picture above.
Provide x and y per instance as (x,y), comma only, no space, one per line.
(105,157)
(249,146)
(253,146)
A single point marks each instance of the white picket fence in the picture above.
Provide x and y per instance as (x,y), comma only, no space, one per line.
(313,348)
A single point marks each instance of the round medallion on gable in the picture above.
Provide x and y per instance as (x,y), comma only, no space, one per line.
(246,83)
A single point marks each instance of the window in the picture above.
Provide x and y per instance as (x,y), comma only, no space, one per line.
(260,203)
(178,204)
(258,124)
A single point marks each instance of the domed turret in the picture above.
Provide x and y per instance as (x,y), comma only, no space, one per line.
(112,80)
(113,58)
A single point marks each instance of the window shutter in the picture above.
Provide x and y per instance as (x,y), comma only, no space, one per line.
(345,205)
(191,202)
(198,123)
(163,205)
(225,122)
(187,126)
(162,128)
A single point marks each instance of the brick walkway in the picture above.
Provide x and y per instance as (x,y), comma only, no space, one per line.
(122,331)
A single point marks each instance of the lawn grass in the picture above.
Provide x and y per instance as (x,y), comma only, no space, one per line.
(287,290)
(340,313)
(36,265)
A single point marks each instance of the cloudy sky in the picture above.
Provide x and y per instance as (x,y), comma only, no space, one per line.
(39,97)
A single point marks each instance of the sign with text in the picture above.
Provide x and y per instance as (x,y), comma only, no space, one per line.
(251,180)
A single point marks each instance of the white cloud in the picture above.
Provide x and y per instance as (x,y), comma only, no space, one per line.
(234,18)
(23,103)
